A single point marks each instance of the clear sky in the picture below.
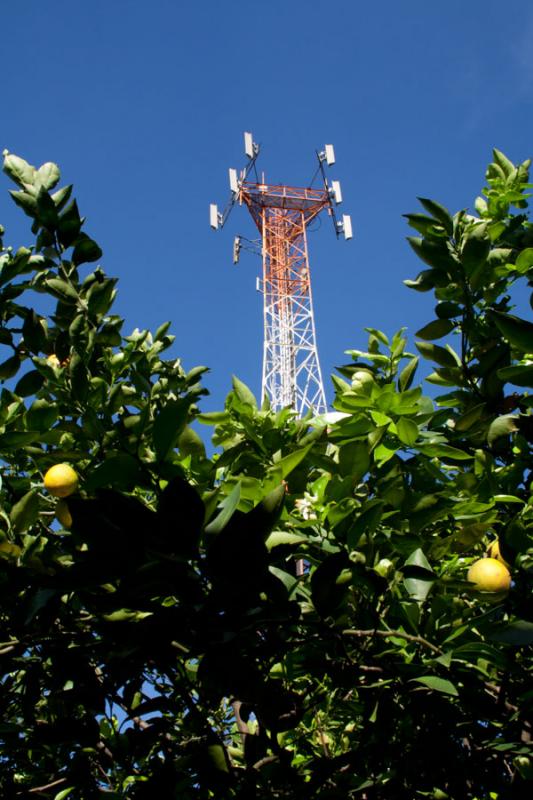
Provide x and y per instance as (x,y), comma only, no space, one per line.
(143,105)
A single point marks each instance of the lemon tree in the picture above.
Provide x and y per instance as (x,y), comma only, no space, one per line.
(299,615)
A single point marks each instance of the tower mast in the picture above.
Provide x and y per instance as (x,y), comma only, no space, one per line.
(291,369)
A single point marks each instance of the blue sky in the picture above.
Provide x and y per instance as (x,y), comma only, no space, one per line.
(143,105)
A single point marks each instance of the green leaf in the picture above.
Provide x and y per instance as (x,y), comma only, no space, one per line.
(503,162)
(213,417)
(190,442)
(436,254)
(85,250)
(14,439)
(407,431)
(470,417)
(518,332)
(438,212)
(126,615)
(34,332)
(436,329)
(9,368)
(41,415)
(79,378)
(437,684)
(29,384)
(418,588)
(64,793)
(62,196)
(61,289)
(46,210)
(436,353)
(25,512)
(227,509)
(379,335)
(168,425)
(445,452)
(418,559)
(423,282)
(447,310)
(475,250)
(525,260)
(69,225)
(519,632)
(101,296)
(501,426)
(47,176)
(288,463)
(243,392)
(277,538)
(19,170)
(519,375)
(367,521)
(39,600)
(217,757)
(118,472)
(354,459)
(25,201)
(406,376)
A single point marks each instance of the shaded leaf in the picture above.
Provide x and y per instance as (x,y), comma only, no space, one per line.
(227,508)
(436,329)
(519,632)
(407,431)
(243,392)
(437,684)
(501,426)
(119,472)
(25,511)
(168,425)
(519,332)
(85,250)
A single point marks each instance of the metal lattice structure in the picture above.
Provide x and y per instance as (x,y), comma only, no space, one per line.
(291,368)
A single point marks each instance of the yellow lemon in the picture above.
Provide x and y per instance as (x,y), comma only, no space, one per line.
(489,575)
(493,551)
(61,480)
(63,514)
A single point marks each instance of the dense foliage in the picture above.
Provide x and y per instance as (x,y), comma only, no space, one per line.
(289,618)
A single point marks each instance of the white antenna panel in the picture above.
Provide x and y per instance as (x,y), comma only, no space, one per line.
(336,188)
(249,145)
(233,184)
(347,226)
(330,154)
(236,249)
(213,216)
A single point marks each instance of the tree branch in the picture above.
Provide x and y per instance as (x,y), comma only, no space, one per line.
(364,634)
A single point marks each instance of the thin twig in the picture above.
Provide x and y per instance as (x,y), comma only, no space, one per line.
(242,727)
(47,786)
(364,634)
(264,761)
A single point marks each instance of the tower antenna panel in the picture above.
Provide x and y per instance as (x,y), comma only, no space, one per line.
(329,152)
(249,145)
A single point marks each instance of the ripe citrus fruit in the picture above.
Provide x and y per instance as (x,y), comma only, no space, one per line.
(63,514)
(493,550)
(61,480)
(489,575)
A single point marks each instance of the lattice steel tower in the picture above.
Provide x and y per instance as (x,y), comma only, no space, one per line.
(291,368)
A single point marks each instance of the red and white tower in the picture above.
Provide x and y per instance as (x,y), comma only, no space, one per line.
(291,368)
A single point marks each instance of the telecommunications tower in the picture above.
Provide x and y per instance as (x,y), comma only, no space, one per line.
(291,369)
